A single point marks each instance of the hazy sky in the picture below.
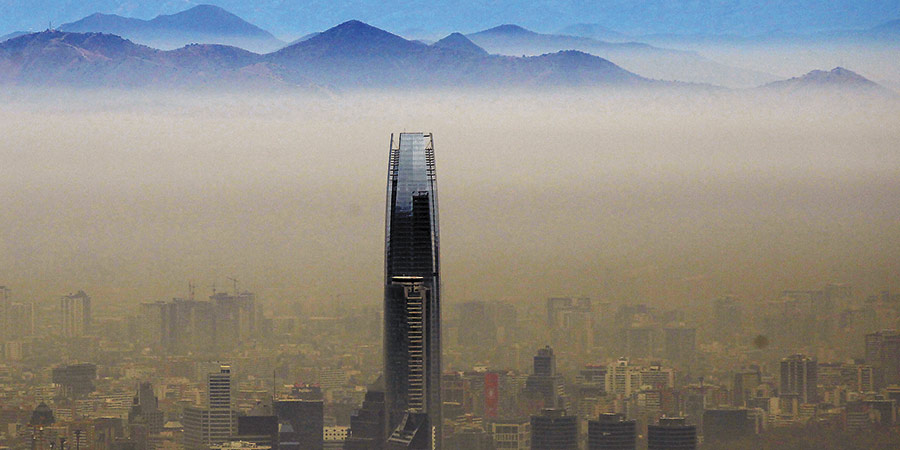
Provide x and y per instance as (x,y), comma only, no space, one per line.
(292,18)
(129,196)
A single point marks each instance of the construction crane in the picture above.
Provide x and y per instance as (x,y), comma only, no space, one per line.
(235,281)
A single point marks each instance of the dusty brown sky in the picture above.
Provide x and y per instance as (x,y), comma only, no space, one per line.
(649,197)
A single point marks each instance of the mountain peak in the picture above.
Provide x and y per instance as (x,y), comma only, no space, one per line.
(209,19)
(355,28)
(458,42)
(838,75)
(201,23)
(354,38)
(509,29)
(838,79)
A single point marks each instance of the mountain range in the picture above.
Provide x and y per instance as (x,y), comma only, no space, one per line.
(352,54)
(836,81)
(203,24)
(647,60)
(208,24)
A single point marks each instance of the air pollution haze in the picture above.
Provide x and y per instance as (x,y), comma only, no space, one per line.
(660,225)
(649,195)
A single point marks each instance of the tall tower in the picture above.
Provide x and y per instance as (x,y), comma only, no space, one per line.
(219,388)
(75,314)
(799,377)
(412,285)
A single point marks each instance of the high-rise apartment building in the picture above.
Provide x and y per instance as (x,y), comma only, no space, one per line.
(799,378)
(622,378)
(412,285)
(75,314)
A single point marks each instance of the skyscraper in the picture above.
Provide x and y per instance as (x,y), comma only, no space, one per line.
(544,387)
(219,388)
(412,315)
(215,423)
(799,378)
(671,433)
(75,314)
(553,429)
(612,432)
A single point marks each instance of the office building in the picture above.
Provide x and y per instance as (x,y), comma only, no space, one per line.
(671,434)
(883,354)
(216,422)
(77,380)
(306,418)
(262,430)
(554,430)
(368,425)
(145,409)
(612,432)
(799,378)
(412,286)
(744,386)
(544,387)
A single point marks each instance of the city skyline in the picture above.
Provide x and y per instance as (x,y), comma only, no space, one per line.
(662,225)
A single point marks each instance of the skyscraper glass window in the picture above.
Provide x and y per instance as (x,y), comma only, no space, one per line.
(412,315)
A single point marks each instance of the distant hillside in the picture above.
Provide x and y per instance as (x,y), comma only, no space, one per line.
(201,24)
(52,58)
(352,54)
(457,41)
(644,59)
(838,80)
(303,38)
(14,34)
(355,53)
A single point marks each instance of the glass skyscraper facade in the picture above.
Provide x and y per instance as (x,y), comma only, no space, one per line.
(412,314)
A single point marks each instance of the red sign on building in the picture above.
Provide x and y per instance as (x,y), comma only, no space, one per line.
(491,395)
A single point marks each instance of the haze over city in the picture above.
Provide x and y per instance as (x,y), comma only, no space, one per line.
(700,199)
